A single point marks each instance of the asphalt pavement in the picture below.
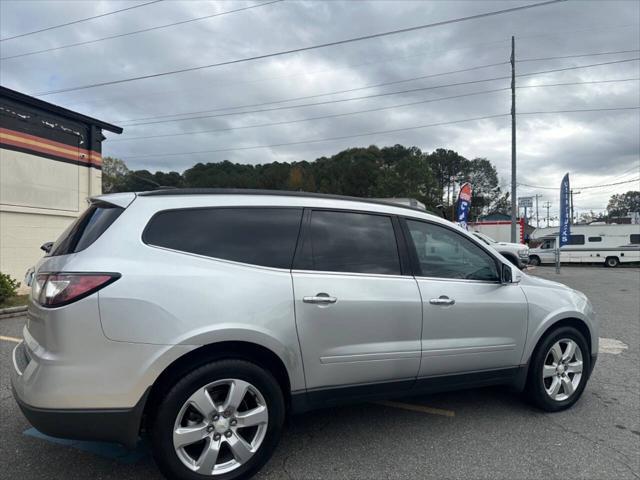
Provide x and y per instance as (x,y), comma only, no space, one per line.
(485,433)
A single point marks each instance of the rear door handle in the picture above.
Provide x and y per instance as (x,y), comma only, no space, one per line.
(442,300)
(320,299)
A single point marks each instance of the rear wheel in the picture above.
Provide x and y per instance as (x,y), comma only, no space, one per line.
(534,260)
(612,261)
(222,421)
(559,370)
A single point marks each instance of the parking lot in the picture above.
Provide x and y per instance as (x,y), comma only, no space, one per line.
(484,433)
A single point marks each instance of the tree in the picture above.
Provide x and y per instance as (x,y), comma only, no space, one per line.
(624,203)
(446,167)
(114,175)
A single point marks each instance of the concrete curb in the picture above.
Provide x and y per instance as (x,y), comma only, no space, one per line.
(12,312)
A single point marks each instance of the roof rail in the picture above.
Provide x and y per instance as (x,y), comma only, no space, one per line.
(284,193)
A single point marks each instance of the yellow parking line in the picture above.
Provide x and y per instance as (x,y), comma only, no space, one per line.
(417,408)
(10,339)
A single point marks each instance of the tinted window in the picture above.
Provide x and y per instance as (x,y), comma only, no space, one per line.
(350,242)
(443,253)
(86,229)
(576,240)
(595,239)
(260,236)
(634,238)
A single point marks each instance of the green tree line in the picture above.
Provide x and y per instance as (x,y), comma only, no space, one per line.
(397,171)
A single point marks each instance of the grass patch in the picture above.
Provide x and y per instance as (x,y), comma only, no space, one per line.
(17,301)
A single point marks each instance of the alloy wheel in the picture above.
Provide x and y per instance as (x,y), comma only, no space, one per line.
(562,370)
(220,427)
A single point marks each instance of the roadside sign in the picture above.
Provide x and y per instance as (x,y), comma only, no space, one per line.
(525,202)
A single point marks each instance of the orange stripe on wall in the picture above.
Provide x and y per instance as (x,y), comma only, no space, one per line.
(43,145)
(41,148)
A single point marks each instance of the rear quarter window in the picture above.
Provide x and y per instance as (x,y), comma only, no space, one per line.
(93,222)
(254,235)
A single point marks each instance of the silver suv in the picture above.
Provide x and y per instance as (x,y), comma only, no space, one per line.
(203,318)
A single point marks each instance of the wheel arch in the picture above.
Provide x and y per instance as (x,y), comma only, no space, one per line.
(242,350)
(511,257)
(568,321)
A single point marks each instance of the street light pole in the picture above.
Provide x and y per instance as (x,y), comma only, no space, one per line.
(513,139)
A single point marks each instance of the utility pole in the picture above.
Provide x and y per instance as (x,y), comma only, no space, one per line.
(537,217)
(547,205)
(571,194)
(513,139)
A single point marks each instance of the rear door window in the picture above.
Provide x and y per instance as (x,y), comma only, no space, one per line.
(93,222)
(350,242)
(254,235)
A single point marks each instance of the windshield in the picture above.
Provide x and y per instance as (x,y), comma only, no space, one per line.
(485,238)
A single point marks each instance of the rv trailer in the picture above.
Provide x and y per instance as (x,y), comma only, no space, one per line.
(607,244)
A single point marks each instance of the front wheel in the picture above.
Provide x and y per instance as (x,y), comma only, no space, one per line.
(559,370)
(221,421)
(534,261)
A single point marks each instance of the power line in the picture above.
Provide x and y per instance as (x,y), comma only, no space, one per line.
(337,115)
(562,57)
(380,132)
(384,84)
(368,63)
(327,102)
(581,188)
(304,49)
(319,140)
(580,110)
(302,105)
(74,22)
(120,35)
(336,92)
(586,82)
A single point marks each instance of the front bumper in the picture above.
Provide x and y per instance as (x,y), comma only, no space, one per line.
(119,425)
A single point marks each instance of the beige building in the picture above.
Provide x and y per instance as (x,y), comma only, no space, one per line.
(50,162)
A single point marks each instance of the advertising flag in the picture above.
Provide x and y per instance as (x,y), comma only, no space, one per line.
(464,204)
(565,213)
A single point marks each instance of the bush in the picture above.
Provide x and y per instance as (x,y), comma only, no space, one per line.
(8,287)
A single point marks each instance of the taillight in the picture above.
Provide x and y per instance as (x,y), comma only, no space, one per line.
(58,289)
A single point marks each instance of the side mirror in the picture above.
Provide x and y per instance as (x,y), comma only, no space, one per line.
(510,274)
(46,246)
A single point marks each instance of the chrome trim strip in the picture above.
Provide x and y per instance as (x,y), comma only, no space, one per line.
(370,357)
(468,350)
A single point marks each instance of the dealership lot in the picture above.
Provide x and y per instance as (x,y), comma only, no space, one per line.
(485,433)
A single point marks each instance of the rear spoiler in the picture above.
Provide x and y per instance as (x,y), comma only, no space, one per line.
(118,199)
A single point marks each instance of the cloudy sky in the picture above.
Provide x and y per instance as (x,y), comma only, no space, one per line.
(595,147)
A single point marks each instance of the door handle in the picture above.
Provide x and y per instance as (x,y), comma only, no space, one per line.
(442,300)
(320,299)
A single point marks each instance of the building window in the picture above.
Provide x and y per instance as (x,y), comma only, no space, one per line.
(595,239)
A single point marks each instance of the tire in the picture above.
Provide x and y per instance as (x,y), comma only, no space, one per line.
(513,260)
(612,262)
(241,451)
(538,386)
(534,260)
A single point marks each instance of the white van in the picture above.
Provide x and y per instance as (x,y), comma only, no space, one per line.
(595,243)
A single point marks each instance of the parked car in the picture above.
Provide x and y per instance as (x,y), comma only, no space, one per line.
(202,318)
(516,253)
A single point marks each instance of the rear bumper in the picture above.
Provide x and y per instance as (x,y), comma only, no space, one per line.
(121,425)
